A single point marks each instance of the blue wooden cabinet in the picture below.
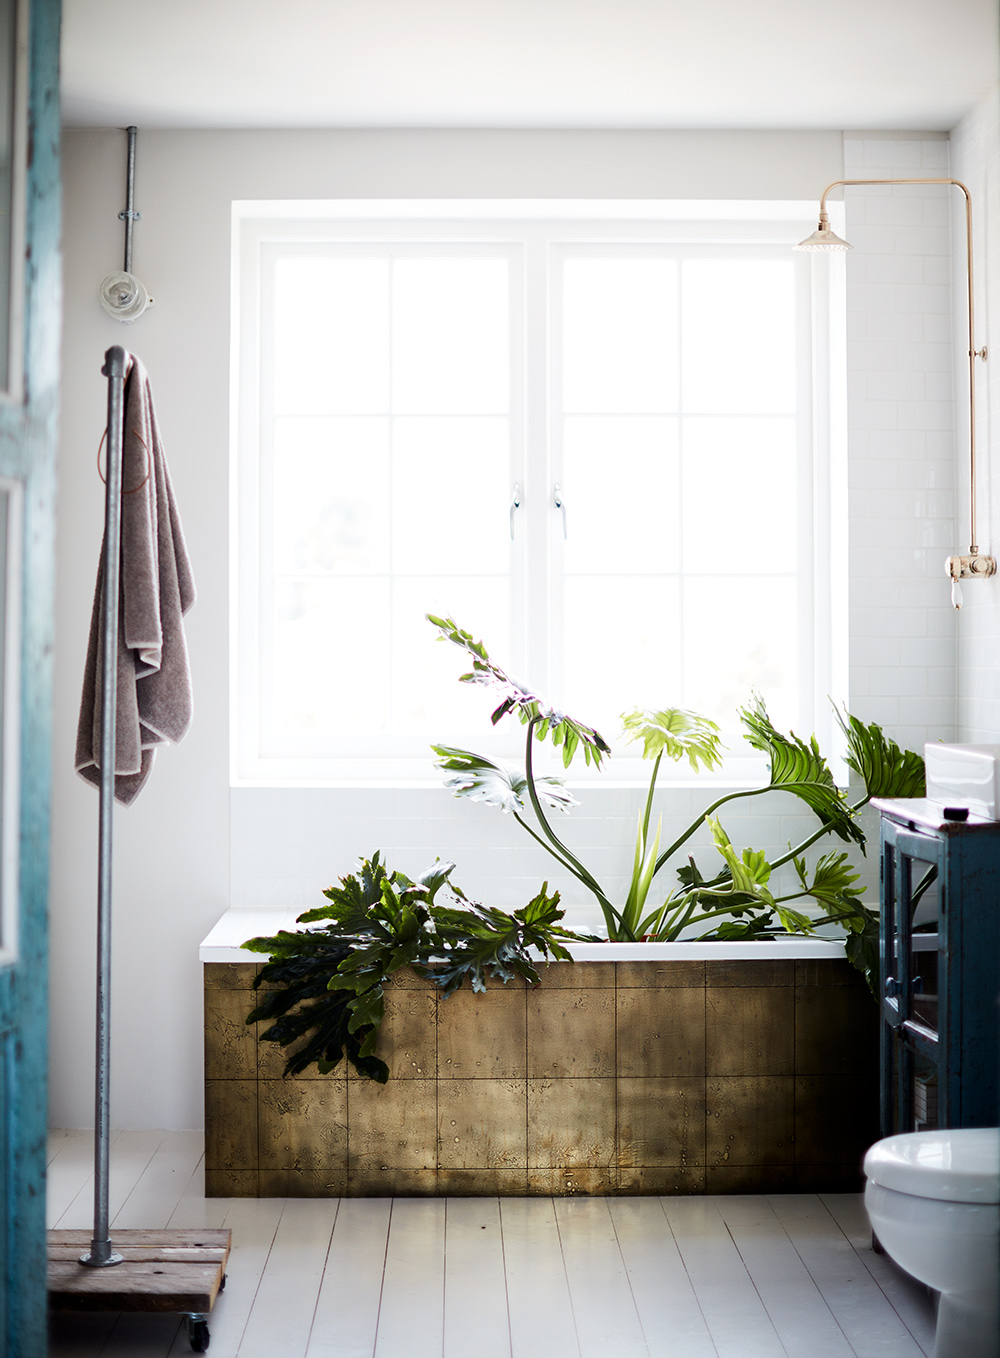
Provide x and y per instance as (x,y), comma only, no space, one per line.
(939,968)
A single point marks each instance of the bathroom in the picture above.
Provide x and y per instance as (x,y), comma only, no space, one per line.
(197,842)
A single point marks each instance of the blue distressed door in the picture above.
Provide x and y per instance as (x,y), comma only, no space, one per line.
(29,372)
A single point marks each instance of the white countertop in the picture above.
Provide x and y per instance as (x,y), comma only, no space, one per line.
(237,925)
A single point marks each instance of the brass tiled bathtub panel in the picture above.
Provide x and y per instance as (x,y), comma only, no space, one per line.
(830,1178)
(230,1044)
(232,1183)
(571,1032)
(661,1032)
(750,1030)
(392,1125)
(482,1183)
(572,1180)
(482,1036)
(304,1183)
(649,975)
(407,1037)
(836,1118)
(834,1027)
(826,971)
(755,971)
(750,1179)
(751,1120)
(482,1124)
(392,1182)
(231,1124)
(675,1180)
(570,976)
(571,1123)
(661,1122)
(230,975)
(302,1124)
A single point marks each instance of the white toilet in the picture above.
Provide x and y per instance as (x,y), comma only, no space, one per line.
(933,1199)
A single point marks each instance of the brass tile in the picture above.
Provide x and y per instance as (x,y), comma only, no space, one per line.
(229,975)
(482,1124)
(661,1032)
(826,971)
(232,1183)
(392,1126)
(407,979)
(230,1042)
(482,1036)
(754,971)
(271,1060)
(571,1032)
(836,1031)
(750,1179)
(482,1183)
(571,1123)
(672,1180)
(392,1183)
(577,975)
(570,1181)
(407,1036)
(836,1119)
(661,1122)
(649,974)
(829,1179)
(750,1030)
(303,1183)
(230,1124)
(302,1124)
(751,1121)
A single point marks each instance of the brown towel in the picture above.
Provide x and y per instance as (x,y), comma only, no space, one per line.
(153,701)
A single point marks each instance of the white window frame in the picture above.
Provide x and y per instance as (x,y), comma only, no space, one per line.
(260,227)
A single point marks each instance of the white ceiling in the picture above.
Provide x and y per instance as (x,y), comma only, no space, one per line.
(863,64)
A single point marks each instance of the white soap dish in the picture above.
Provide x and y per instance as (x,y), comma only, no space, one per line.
(966,776)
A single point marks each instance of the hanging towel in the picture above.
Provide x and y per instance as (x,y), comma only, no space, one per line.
(153,701)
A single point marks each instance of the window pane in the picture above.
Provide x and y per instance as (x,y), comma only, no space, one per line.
(739,336)
(619,335)
(621,649)
(331,495)
(450,494)
(329,680)
(331,336)
(427,698)
(740,496)
(450,336)
(741,637)
(622,495)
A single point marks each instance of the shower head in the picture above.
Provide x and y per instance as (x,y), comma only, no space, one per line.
(823,239)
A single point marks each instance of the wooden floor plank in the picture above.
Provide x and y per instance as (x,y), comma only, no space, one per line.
(346,1319)
(411,1315)
(70,1176)
(475,1285)
(607,1321)
(281,1317)
(193,1208)
(908,1298)
(542,1323)
(254,1224)
(795,1305)
(130,1154)
(868,1320)
(144,1337)
(156,1194)
(672,1321)
(737,1321)
(77,1335)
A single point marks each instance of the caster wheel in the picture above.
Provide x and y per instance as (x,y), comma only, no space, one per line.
(877,1244)
(222,1282)
(198,1336)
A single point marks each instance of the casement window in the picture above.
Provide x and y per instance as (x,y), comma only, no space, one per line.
(600,440)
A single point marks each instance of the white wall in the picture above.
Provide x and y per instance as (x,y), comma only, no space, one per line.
(174,876)
(976,161)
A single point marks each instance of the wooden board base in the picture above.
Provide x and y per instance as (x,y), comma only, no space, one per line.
(178,1270)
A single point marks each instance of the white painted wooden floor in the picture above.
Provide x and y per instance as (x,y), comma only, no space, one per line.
(735,1277)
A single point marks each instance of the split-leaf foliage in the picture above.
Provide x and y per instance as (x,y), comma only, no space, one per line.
(737,898)
(324,984)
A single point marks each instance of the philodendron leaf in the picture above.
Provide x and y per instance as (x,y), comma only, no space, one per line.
(479,779)
(564,731)
(675,732)
(750,872)
(832,883)
(800,769)
(885,769)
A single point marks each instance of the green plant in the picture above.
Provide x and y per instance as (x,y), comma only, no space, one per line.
(737,899)
(325,984)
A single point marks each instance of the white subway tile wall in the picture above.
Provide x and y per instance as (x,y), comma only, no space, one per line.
(288,844)
(976,161)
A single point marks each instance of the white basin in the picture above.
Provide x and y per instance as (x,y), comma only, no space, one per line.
(964,776)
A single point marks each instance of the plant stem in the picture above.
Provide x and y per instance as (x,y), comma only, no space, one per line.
(811,840)
(649,799)
(696,824)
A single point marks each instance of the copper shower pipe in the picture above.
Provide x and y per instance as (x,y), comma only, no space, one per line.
(972,566)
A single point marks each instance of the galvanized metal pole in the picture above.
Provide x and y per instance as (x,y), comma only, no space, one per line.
(129,213)
(101,1252)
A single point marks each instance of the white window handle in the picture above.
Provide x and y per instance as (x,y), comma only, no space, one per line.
(515,505)
(559,500)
